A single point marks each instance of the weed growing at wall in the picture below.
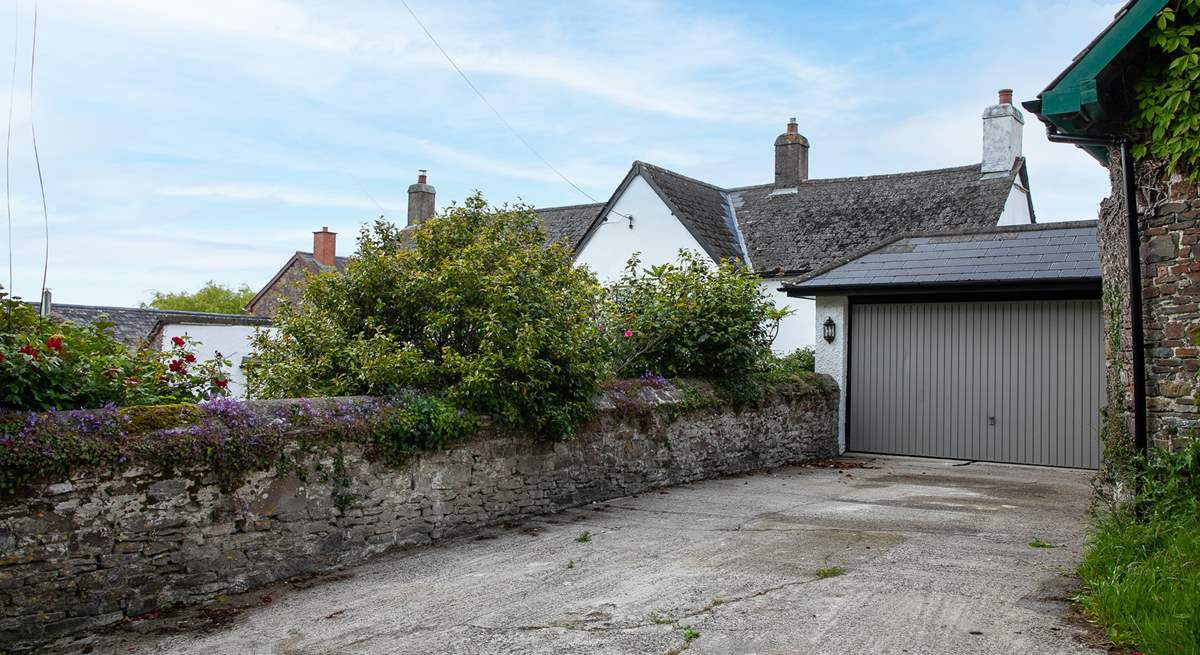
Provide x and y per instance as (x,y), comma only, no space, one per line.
(224,437)
(1114,480)
(1140,576)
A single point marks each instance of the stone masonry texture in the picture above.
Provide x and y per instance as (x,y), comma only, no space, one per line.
(1169,224)
(91,550)
(289,287)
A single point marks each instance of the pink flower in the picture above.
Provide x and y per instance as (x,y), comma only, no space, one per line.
(628,333)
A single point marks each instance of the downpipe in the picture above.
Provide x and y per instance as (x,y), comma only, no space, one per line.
(1134,264)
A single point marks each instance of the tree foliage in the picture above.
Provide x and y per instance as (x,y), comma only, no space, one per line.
(471,304)
(1168,93)
(212,297)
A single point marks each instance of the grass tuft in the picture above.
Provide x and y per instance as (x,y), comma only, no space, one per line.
(830,572)
(583,537)
(1038,543)
(1141,571)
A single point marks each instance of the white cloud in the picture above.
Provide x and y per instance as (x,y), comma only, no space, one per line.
(283,194)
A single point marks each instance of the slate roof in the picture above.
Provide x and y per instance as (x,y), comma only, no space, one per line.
(133,325)
(311,262)
(1062,252)
(799,229)
(702,208)
(568,224)
(823,220)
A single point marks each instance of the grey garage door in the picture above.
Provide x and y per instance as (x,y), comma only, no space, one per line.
(991,381)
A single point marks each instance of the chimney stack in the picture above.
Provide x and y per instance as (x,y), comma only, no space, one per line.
(421,197)
(791,157)
(1003,124)
(325,247)
(44,309)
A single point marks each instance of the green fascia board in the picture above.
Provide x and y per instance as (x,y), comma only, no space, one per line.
(1072,102)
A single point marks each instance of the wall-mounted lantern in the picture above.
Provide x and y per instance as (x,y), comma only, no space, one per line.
(830,329)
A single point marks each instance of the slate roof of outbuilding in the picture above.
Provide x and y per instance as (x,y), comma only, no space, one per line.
(132,325)
(1010,254)
(800,229)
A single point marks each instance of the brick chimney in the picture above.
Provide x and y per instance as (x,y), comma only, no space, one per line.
(421,197)
(325,247)
(1003,124)
(791,157)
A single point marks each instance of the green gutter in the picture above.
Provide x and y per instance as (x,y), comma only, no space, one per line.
(1074,102)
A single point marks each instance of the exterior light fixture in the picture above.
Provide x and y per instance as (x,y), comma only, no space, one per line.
(830,329)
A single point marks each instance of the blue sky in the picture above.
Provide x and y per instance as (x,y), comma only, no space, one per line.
(185,141)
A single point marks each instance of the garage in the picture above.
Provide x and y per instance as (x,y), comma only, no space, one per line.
(1017,381)
(978,346)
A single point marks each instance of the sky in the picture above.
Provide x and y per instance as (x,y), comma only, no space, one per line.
(182,141)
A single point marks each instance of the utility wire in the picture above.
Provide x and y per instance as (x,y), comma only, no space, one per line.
(36,159)
(496,111)
(12,91)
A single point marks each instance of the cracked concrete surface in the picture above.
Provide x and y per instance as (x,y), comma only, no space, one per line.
(936,560)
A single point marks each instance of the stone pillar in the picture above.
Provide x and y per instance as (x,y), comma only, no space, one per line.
(1169,226)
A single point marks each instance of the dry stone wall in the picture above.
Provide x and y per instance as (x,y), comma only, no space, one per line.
(100,546)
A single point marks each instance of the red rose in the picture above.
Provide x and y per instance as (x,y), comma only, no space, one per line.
(221,382)
(189,358)
(29,350)
(178,341)
(54,343)
(176,366)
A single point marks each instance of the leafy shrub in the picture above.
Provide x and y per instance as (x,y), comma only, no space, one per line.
(1141,579)
(421,422)
(472,305)
(797,362)
(690,318)
(48,364)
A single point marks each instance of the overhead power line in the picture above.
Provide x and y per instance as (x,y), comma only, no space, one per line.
(12,91)
(37,160)
(495,111)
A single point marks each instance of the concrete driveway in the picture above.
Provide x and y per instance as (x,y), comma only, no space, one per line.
(933,557)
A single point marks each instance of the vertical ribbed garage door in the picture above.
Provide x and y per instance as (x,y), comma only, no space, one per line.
(992,381)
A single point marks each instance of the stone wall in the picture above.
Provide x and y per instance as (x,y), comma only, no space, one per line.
(1169,222)
(104,545)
